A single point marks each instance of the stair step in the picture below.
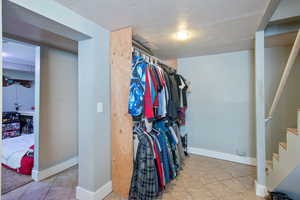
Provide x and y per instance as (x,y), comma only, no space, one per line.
(293,131)
(276,156)
(283,144)
(270,165)
(269,168)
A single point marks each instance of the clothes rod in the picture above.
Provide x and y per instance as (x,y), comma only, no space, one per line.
(141,48)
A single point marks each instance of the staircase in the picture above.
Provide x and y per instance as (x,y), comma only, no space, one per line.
(286,161)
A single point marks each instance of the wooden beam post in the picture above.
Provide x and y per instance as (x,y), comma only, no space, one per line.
(121,122)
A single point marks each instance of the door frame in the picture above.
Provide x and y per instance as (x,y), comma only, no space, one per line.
(94,127)
(36,118)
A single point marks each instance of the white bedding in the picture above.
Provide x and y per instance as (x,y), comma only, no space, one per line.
(13,150)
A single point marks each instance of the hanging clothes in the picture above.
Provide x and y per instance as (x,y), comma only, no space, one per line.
(149,96)
(137,88)
(180,145)
(155,92)
(144,183)
(182,91)
(157,98)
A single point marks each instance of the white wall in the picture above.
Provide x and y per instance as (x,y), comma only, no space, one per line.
(58,137)
(16,93)
(221,105)
(221,112)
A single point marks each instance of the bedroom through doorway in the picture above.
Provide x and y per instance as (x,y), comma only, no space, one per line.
(19,113)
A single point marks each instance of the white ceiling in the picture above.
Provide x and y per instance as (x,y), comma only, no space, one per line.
(216,25)
(18,53)
(22,24)
(286,9)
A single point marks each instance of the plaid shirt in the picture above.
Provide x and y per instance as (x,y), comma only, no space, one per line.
(145,182)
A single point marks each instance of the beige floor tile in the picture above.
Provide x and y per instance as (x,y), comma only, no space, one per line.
(113,197)
(247,182)
(234,186)
(16,194)
(36,191)
(250,195)
(201,179)
(203,194)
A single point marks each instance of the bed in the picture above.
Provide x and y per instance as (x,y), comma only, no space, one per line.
(17,153)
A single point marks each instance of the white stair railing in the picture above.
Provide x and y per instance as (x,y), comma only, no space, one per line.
(285,76)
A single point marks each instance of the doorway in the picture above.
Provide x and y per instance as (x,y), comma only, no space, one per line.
(93,82)
(19,103)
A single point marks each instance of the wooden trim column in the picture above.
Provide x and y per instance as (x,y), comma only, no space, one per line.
(121,122)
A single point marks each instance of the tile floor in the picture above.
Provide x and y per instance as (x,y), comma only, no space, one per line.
(60,187)
(202,179)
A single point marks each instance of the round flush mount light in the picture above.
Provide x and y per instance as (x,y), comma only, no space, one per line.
(182,35)
(4,54)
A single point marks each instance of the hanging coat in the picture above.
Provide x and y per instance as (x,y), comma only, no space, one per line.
(144,182)
(137,87)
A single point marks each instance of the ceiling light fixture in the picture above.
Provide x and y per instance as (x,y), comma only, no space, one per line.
(182,35)
(4,54)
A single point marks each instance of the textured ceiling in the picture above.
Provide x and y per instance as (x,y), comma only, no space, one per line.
(216,25)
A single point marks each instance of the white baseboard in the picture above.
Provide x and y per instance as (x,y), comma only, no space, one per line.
(261,190)
(38,175)
(101,193)
(223,156)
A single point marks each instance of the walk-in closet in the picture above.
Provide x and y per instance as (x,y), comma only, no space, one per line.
(157,100)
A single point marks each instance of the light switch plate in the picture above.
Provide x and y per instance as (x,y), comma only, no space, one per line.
(99,107)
